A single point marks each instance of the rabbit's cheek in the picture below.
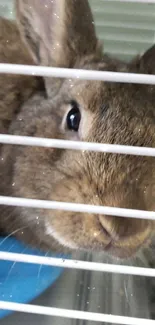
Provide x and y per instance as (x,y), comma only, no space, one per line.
(77,231)
(60,238)
(86,124)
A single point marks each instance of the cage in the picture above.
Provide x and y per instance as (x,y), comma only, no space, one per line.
(127,29)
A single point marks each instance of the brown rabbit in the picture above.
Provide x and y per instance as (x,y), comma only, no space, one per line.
(61,33)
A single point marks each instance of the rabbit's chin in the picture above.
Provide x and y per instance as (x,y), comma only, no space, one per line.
(121,253)
(62,241)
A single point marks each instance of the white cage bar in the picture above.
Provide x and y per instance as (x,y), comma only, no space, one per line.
(75,314)
(76,207)
(77,265)
(77,74)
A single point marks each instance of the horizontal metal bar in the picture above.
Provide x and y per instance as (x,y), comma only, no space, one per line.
(77,74)
(74,314)
(76,264)
(76,145)
(76,207)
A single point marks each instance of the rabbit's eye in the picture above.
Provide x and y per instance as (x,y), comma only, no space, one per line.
(74,117)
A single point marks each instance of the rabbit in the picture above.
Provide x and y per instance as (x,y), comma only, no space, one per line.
(61,33)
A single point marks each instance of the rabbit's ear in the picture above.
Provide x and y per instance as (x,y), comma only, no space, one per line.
(147,61)
(57,32)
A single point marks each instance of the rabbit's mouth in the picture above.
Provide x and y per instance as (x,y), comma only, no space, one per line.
(126,236)
(127,248)
(120,252)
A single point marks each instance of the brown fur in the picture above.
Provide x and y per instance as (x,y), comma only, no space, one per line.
(111,113)
(14,90)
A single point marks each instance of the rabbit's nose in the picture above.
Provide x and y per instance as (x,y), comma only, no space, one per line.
(110,226)
(122,228)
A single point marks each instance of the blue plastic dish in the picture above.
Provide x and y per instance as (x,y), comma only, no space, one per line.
(21,282)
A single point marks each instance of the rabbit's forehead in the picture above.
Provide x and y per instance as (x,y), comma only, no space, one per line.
(89,94)
(93,95)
